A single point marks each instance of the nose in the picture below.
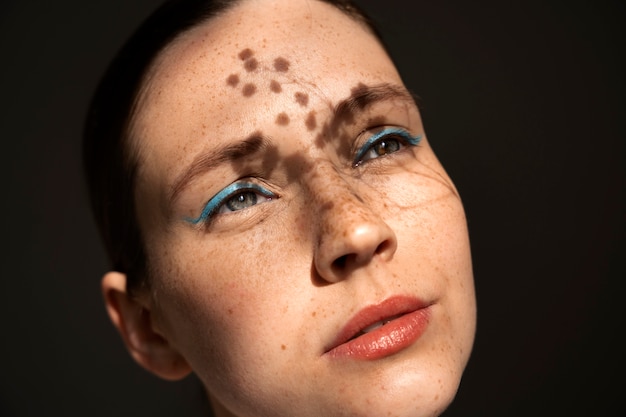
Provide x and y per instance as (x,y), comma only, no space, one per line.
(351,233)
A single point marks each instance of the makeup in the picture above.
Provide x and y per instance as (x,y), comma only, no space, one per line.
(381,330)
(216,203)
(388,135)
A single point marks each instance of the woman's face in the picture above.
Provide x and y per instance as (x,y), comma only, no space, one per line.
(290,204)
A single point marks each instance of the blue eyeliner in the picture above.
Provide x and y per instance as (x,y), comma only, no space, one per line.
(220,198)
(411,140)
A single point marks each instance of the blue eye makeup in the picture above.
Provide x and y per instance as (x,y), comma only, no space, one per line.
(235,197)
(385,142)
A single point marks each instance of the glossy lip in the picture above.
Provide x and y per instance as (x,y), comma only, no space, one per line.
(409,317)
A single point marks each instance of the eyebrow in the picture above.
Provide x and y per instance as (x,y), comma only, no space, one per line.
(362,96)
(230,153)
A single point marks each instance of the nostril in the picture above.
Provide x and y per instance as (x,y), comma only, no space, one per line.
(383,247)
(340,263)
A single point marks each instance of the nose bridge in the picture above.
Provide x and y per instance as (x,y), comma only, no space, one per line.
(349,231)
(328,187)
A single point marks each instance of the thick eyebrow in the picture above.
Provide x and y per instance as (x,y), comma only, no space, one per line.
(205,162)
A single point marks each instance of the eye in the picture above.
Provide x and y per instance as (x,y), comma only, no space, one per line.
(239,201)
(235,197)
(383,143)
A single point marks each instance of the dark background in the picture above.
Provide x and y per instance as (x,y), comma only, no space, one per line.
(522,100)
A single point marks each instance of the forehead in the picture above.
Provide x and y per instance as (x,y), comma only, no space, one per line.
(256,63)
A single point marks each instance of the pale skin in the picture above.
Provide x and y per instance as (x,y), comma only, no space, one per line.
(251,299)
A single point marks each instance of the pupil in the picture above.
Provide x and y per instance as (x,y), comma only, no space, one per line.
(386,147)
(242,201)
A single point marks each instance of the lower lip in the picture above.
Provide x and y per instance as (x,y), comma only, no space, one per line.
(386,340)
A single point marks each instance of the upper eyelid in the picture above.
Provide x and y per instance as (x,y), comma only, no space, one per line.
(218,199)
(405,134)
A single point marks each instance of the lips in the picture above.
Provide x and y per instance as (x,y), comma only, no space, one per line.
(381,330)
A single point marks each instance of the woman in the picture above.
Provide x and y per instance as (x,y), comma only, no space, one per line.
(276,219)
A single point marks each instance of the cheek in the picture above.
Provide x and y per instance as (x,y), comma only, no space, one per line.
(240,320)
(224,302)
(434,251)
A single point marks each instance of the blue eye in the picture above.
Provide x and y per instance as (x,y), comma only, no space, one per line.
(385,142)
(235,197)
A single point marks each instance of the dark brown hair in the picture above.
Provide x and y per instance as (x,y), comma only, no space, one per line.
(109,163)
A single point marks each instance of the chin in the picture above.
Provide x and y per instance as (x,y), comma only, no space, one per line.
(417,393)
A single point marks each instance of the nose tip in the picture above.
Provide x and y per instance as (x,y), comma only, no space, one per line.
(359,256)
(353,237)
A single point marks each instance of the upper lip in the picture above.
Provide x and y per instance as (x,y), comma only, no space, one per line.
(386,310)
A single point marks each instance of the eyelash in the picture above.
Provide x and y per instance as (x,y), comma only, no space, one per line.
(400,135)
(226,196)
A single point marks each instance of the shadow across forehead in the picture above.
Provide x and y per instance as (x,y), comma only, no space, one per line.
(258,152)
(336,131)
(251,64)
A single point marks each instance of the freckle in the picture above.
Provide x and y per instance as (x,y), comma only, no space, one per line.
(283,347)
(282,119)
(313,314)
(275,86)
(248,90)
(311,122)
(245,54)
(281,64)
(250,64)
(232,80)
(302,98)
(359,87)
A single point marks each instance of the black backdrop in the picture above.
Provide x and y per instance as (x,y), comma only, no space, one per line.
(523,102)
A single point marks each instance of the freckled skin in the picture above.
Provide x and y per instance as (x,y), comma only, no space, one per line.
(248,90)
(302,99)
(275,86)
(282,119)
(246,54)
(252,300)
(233,80)
(281,64)
(251,64)
(311,121)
